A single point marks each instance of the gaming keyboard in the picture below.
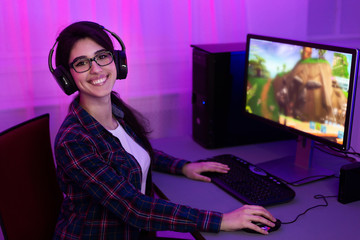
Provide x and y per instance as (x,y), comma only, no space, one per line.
(248,183)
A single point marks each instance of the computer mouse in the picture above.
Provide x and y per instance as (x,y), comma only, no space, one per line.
(265,227)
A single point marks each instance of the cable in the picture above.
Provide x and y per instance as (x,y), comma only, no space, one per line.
(318,196)
(314,177)
(343,154)
(328,150)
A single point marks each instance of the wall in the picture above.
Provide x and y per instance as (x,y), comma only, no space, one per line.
(158,35)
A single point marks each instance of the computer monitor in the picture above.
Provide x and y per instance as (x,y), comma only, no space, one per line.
(306,88)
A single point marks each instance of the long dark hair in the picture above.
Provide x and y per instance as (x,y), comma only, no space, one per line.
(76,31)
(84,29)
(137,122)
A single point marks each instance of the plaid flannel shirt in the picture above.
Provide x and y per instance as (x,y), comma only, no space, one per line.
(102,182)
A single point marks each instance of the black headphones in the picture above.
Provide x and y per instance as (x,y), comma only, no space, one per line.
(64,78)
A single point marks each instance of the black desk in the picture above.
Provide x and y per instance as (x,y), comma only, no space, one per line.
(337,221)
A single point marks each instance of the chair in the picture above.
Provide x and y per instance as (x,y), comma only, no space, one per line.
(30,196)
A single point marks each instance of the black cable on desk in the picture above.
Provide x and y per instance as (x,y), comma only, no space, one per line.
(337,152)
(315,177)
(318,196)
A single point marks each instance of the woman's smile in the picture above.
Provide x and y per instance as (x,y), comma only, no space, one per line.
(99,81)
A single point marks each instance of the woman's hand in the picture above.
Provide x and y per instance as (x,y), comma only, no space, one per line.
(193,170)
(245,216)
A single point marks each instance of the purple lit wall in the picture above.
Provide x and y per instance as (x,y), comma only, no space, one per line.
(157,34)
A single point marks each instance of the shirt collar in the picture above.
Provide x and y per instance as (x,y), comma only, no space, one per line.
(90,123)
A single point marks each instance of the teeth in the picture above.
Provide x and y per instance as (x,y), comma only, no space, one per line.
(99,81)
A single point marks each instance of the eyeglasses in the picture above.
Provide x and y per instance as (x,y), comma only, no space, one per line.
(83,64)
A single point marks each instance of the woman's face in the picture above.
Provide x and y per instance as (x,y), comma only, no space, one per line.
(98,81)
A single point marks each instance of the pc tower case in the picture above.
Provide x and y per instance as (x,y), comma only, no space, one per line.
(218,119)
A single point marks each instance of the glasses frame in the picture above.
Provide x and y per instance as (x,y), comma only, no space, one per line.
(93,59)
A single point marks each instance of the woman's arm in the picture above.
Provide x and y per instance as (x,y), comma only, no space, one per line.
(111,188)
(167,163)
(164,162)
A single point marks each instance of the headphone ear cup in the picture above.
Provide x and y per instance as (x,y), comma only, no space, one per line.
(121,64)
(65,80)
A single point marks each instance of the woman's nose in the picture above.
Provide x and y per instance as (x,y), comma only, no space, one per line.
(95,67)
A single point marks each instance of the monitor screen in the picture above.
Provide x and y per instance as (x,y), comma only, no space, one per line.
(305,87)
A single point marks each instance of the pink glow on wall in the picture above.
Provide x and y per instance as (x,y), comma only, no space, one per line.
(157,35)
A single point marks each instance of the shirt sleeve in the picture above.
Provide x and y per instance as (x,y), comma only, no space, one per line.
(83,165)
(166,163)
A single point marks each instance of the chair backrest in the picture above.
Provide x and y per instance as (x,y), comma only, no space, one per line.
(30,197)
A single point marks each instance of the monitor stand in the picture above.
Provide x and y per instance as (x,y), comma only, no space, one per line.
(298,169)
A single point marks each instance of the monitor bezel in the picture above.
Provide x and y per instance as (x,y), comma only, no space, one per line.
(351,94)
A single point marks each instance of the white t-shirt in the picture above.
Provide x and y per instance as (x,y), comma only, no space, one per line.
(136,150)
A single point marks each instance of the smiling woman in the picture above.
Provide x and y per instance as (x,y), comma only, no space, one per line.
(93,80)
(104,158)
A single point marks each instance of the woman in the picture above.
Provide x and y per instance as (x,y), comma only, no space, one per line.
(104,159)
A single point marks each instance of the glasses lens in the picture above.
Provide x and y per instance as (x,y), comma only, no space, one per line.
(81,65)
(104,58)
(84,64)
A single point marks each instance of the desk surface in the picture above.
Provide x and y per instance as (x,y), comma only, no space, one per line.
(336,221)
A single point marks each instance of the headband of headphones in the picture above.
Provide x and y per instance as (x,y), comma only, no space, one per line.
(64,78)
